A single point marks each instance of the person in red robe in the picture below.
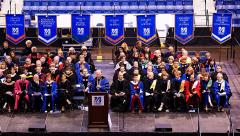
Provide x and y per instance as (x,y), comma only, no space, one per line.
(21,89)
(192,93)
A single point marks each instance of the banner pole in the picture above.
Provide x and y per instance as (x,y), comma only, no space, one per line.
(99,56)
(220,54)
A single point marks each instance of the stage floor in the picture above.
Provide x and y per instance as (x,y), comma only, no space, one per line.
(76,121)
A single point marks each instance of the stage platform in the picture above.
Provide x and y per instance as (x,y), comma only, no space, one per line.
(76,122)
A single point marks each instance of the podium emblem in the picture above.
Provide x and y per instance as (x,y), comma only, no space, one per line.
(97,100)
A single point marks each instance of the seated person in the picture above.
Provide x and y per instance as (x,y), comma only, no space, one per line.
(206,84)
(178,90)
(123,71)
(166,92)
(151,92)
(64,93)
(21,89)
(49,94)
(192,93)
(8,90)
(222,92)
(87,80)
(137,94)
(120,94)
(101,83)
(35,93)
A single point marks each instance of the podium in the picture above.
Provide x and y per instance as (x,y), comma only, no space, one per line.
(98,110)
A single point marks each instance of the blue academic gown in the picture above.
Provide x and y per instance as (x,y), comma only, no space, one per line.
(105,87)
(77,68)
(139,91)
(216,88)
(91,82)
(54,95)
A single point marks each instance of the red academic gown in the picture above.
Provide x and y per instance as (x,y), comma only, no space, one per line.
(18,91)
(191,87)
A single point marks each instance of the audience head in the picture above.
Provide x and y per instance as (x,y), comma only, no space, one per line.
(219,76)
(36,78)
(28,43)
(5,44)
(219,69)
(98,73)
(120,76)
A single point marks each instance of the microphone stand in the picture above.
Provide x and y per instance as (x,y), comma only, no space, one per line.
(230,123)
(199,128)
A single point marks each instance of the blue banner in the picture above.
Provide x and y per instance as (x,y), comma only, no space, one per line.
(184,28)
(222,27)
(15,28)
(80,27)
(114,29)
(146,28)
(47,29)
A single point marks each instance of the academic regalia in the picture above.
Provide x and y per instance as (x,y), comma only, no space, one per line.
(36,95)
(151,94)
(21,89)
(71,77)
(125,75)
(166,92)
(211,68)
(8,91)
(87,81)
(222,92)
(186,77)
(196,67)
(78,68)
(184,67)
(51,90)
(189,88)
(179,102)
(64,93)
(119,103)
(205,89)
(104,85)
(136,88)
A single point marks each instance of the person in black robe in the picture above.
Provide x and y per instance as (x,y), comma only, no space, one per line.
(64,93)
(166,89)
(120,94)
(8,90)
(35,93)
(151,92)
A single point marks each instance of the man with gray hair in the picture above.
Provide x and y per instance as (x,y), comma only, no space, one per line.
(222,92)
(101,82)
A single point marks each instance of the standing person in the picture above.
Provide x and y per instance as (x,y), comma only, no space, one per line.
(49,94)
(137,94)
(101,83)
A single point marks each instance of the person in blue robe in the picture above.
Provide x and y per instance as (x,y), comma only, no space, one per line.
(137,94)
(101,83)
(221,91)
(49,94)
